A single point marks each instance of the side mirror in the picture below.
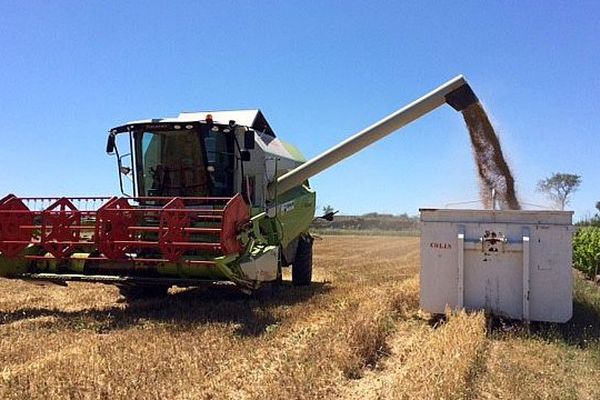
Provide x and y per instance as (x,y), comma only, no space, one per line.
(245,155)
(110,144)
(124,169)
(329,216)
(249,140)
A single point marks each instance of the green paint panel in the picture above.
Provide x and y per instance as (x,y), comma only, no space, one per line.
(295,212)
(294,151)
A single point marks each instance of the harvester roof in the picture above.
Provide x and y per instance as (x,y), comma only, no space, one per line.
(251,118)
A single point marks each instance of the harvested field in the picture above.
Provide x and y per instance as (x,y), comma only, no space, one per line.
(355,334)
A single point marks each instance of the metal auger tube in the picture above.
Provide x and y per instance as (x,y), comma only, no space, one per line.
(456,92)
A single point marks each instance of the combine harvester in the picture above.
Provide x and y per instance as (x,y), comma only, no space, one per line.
(217,197)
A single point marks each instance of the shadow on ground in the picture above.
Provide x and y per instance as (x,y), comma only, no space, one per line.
(251,315)
(582,330)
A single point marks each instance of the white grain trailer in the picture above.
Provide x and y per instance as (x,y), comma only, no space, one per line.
(516,264)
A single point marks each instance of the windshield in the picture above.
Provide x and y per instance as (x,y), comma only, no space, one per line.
(180,163)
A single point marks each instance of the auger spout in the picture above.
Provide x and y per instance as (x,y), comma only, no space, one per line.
(456,92)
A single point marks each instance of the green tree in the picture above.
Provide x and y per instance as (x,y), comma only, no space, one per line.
(595,221)
(559,187)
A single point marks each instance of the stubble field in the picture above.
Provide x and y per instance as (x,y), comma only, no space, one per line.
(357,333)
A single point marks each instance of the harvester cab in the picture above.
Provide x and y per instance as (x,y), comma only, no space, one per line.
(207,197)
(202,154)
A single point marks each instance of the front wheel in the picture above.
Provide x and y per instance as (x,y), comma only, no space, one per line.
(302,267)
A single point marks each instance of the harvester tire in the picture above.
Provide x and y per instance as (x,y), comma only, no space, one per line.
(135,292)
(302,267)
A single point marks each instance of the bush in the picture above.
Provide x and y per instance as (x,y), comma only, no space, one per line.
(586,250)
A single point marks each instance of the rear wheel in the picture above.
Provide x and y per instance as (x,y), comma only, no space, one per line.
(302,267)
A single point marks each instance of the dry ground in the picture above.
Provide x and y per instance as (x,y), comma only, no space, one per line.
(355,334)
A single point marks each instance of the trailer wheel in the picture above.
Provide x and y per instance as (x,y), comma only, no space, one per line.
(135,292)
(302,267)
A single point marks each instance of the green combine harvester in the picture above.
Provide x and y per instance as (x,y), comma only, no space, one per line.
(215,197)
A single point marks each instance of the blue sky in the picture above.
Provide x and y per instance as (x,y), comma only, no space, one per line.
(320,71)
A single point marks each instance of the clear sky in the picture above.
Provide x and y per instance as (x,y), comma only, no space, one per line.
(320,71)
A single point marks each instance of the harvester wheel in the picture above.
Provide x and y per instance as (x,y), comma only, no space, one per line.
(302,267)
(134,292)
